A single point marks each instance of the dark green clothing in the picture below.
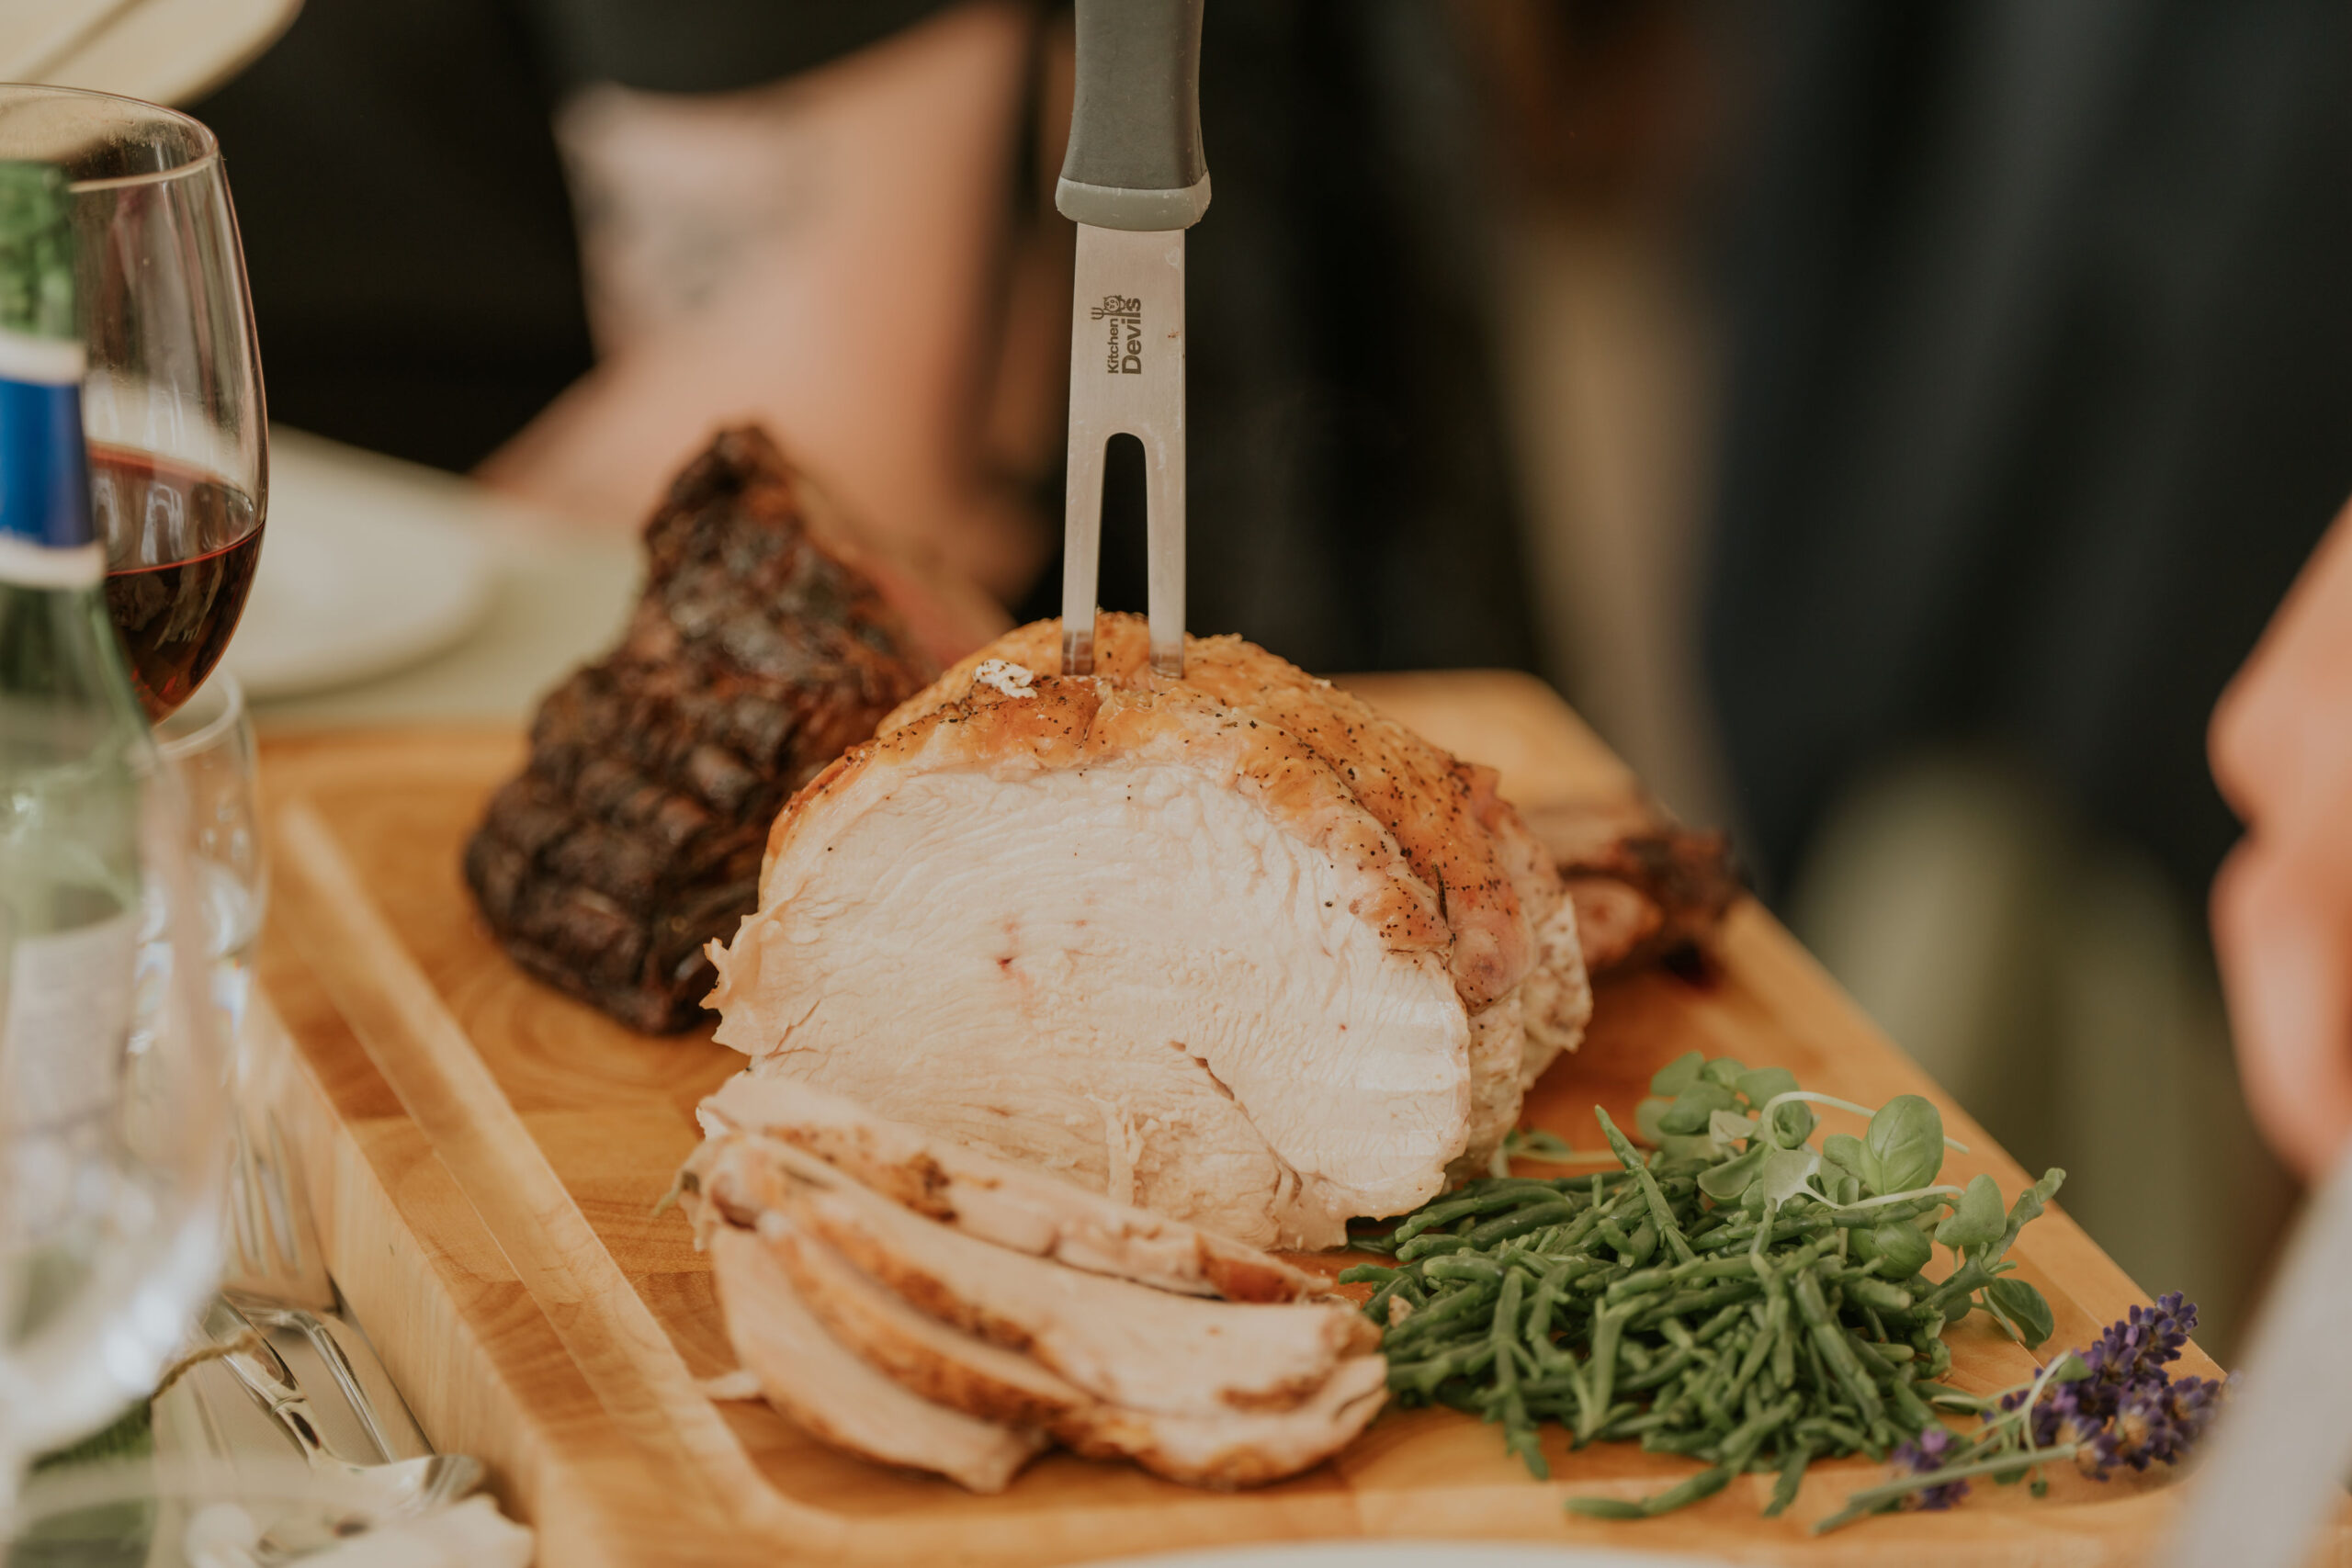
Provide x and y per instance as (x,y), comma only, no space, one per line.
(2041,393)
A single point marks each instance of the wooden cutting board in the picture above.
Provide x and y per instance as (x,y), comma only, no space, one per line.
(486,1159)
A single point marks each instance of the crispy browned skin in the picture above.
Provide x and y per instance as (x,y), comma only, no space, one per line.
(1073,724)
(1421,793)
(633,835)
(1643,886)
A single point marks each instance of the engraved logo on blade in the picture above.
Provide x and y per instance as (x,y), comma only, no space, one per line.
(1123,354)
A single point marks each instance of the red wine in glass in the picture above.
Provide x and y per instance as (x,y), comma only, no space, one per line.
(181,548)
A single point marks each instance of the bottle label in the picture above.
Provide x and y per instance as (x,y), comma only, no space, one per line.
(44,469)
(67,1014)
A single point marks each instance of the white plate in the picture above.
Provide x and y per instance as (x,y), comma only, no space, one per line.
(167,51)
(367,565)
(1409,1554)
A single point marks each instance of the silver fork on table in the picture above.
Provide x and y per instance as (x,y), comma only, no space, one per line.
(277,1280)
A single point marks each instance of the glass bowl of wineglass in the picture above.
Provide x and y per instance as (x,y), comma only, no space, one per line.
(113,1099)
(173,407)
(113,1106)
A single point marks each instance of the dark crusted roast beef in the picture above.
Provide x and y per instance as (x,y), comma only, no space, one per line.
(634,835)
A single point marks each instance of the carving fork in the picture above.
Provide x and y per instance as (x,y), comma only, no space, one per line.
(1134,179)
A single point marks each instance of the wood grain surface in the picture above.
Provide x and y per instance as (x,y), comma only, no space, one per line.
(488,1160)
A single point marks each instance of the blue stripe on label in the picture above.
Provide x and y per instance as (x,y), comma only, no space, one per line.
(45,471)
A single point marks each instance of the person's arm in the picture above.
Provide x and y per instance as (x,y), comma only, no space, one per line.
(819,257)
(2281,746)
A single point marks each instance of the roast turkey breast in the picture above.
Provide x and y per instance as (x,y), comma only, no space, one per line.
(1122,1343)
(1008,1204)
(878,1319)
(989,1382)
(1235,948)
(838,1397)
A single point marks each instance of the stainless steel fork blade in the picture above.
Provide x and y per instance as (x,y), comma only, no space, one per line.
(1126,377)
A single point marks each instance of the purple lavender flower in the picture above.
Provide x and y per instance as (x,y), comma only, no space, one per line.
(2158,1420)
(2129,1411)
(1930,1450)
(2147,1339)
(2074,1412)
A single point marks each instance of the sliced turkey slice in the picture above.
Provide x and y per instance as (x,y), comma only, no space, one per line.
(837,1397)
(1122,1343)
(1234,1448)
(1000,1203)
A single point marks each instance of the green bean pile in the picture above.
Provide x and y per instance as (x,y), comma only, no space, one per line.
(1736,1296)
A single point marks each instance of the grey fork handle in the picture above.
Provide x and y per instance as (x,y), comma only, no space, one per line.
(1135,158)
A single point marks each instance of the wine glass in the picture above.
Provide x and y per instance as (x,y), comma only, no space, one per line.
(173,410)
(110,1161)
(210,748)
(113,1109)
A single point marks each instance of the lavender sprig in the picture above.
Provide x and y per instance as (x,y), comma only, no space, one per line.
(2109,1405)
(1931,1450)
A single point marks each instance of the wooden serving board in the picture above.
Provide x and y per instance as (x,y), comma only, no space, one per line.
(486,1159)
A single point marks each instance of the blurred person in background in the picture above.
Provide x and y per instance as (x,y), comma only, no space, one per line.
(2041,392)
(558,241)
(2282,907)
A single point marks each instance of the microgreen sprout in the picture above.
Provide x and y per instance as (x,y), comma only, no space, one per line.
(1740,1296)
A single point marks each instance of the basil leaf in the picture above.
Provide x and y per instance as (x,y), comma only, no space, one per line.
(1904,1148)
(2023,1306)
(1677,1075)
(1845,1151)
(2071,1368)
(1645,1119)
(1902,1248)
(1693,1106)
(1761,1084)
(1690,1146)
(1727,1182)
(1977,1222)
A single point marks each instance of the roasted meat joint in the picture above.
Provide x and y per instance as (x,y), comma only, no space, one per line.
(926,1306)
(632,837)
(1232,947)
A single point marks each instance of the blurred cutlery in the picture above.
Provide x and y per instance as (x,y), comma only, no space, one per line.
(2283,1446)
(373,1492)
(274,1253)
